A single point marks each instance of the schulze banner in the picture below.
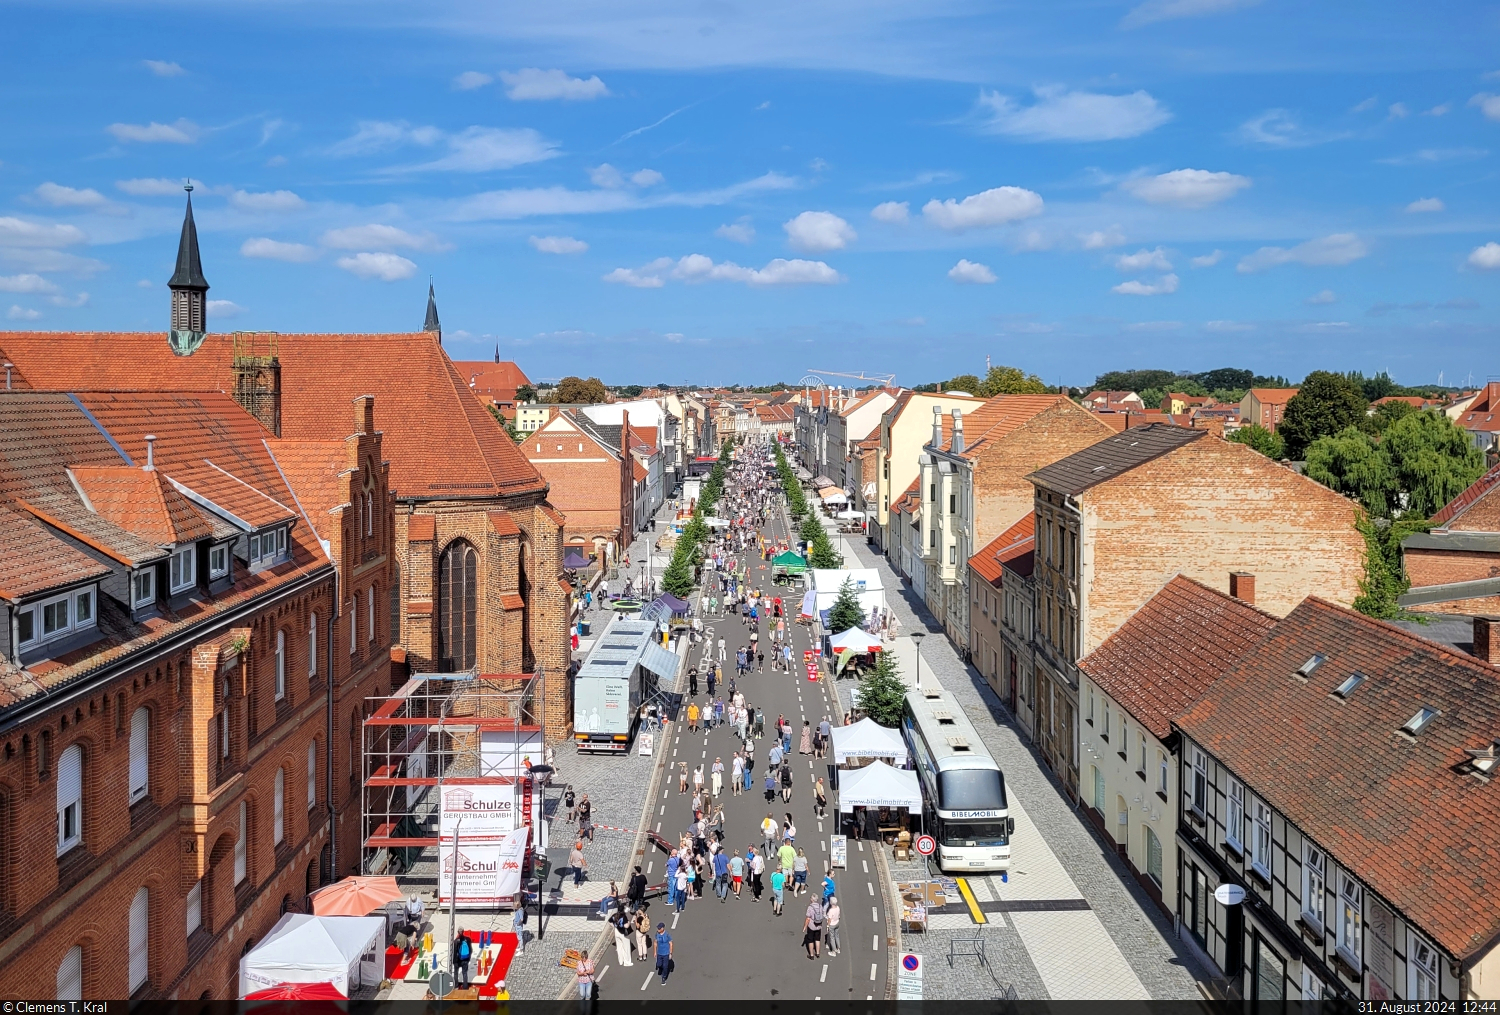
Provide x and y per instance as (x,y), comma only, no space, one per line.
(477,812)
(488,872)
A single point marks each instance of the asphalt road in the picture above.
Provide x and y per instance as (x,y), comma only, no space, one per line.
(739,948)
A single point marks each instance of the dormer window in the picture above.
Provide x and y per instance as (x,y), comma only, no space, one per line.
(267,546)
(183,569)
(218,561)
(143,587)
(57,617)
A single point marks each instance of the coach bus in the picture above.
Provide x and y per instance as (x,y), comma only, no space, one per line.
(963,790)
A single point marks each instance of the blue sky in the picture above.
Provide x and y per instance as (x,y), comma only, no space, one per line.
(725,191)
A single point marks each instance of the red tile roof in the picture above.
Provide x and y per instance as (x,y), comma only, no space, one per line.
(314,470)
(1458,505)
(1273,396)
(1168,653)
(486,378)
(1396,810)
(994,418)
(445,442)
(32,560)
(1004,548)
(142,503)
(503,524)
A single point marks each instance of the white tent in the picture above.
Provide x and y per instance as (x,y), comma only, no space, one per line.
(857,640)
(866,739)
(716,523)
(834,496)
(849,514)
(343,950)
(826,582)
(879,785)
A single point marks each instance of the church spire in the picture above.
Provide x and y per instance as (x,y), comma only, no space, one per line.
(189,289)
(497,352)
(431,324)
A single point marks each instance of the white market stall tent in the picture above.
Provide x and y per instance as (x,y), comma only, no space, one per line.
(867,586)
(879,785)
(865,739)
(856,640)
(346,951)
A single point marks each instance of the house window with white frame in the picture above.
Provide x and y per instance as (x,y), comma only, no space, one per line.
(1351,920)
(312,645)
(1161,775)
(69,799)
(1421,969)
(58,617)
(143,587)
(1314,884)
(1200,782)
(280,665)
(1234,821)
(1260,855)
(182,569)
(370,614)
(218,561)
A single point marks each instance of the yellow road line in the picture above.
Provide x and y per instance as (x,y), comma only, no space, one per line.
(969,900)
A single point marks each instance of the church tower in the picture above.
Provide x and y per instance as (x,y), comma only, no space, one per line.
(189,290)
(431,325)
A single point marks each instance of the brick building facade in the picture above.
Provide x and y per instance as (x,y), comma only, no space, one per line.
(1455,568)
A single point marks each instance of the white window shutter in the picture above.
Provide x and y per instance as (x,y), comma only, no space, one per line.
(70,975)
(140,753)
(280,795)
(312,645)
(240,865)
(195,908)
(69,795)
(140,932)
(312,774)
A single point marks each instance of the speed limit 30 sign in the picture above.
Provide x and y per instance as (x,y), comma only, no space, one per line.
(926,845)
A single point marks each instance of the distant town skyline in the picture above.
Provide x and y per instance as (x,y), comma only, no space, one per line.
(640,192)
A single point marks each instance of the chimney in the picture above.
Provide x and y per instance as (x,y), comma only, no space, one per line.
(8,368)
(937,426)
(958,432)
(150,452)
(1487,639)
(1212,424)
(1242,586)
(364,414)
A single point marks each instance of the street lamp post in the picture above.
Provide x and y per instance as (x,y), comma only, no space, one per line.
(916,637)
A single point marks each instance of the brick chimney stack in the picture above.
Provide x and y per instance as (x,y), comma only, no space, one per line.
(1487,639)
(1242,586)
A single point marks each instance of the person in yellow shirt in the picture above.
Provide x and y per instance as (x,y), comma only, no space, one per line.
(693,718)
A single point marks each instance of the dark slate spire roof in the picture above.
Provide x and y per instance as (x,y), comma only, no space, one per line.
(431,324)
(497,352)
(189,273)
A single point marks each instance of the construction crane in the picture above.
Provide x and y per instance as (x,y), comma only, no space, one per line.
(884,379)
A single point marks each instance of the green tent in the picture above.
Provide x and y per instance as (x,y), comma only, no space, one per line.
(788,563)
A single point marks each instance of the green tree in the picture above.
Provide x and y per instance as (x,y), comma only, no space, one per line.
(1385,580)
(1353,464)
(1151,397)
(1432,459)
(525,393)
(576,390)
(678,578)
(1226,377)
(1376,387)
(846,611)
(1011,381)
(1135,380)
(1326,404)
(510,427)
(963,382)
(882,695)
(811,530)
(1258,437)
(822,555)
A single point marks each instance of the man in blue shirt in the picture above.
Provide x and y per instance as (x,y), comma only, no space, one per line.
(663,952)
(721,876)
(672,862)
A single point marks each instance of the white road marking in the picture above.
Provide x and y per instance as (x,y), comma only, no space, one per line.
(875,918)
(823,844)
(863,863)
(870,887)
(674,920)
(663,808)
(821,979)
(600,977)
(650,865)
(861,847)
(873,967)
(875,941)
(647,981)
(665,793)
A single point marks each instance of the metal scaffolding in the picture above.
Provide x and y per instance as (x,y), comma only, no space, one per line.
(481,730)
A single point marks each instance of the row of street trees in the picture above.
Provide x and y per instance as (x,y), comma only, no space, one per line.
(820,551)
(680,575)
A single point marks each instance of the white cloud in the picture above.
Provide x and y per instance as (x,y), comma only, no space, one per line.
(1488,104)
(1144,260)
(16,232)
(471,79)
(522,202)
(701,268)
(1154,326)
(1207,260)
(181,132)
(532,84)
(67,197)
(646,178)
(482,149)
(971,273)
(763,105)
(27,283)
(371,136)
(607,176)
(558,244)
(1136,287)
(1321,298)
(39,259)
(1339,248)
(1279,128)
(740,231)
(77,300)
(1061,115)
(164,68)
(1228,326)
(273,200)
(1167,10)
(1486,257)
(891,211)
(375,235)
(1102,238)
(19,313)
(386,267)
(154,187)
(1187,188)
(145,283)
(1398,111)
(816,232)
(223,308)
(1365,106)
(1441,109)
(993,207)
(275,250)
(1426,204)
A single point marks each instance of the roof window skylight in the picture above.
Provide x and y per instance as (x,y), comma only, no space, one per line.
(1350,683)
(1313,662)
(1416,723)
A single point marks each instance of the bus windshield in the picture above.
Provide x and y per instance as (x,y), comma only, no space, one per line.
(971,789)
(967,833)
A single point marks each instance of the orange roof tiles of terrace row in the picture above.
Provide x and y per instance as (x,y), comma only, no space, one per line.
(438,437)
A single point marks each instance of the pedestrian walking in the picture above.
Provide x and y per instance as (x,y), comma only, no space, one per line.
(778,886)
(757,868)
(621,924)
(812,928)
(682,777)
(832,915)
(663,952)
(693,682)
(737,872)
(829,888)
(642,927)
(770,785)
(692,717)
(789,830)
(722,656)
(820,795)
(578,863)
(799,871)
(787,855)
(721,876)
(698,785)
(786,782)
(716,783)
(518,922)
(463,951)
(736,774)
(806,746)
